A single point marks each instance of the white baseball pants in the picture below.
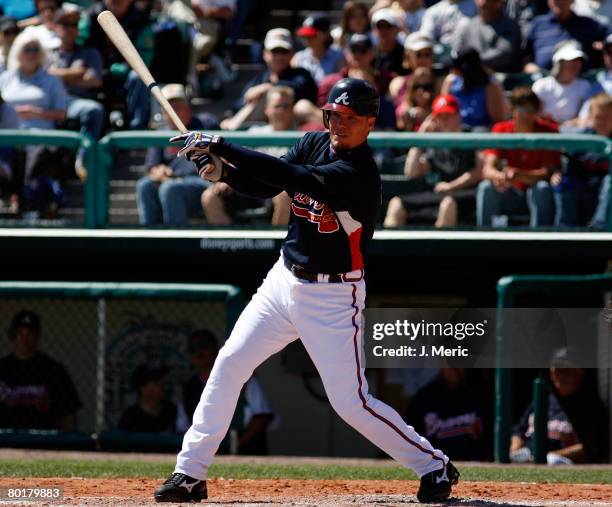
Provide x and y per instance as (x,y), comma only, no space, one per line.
(327,318)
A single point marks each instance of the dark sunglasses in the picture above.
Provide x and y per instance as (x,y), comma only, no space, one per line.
(31,49)
(10,31)
(424,87)
(69,25)
(424,54)
(384,26)
(279,51)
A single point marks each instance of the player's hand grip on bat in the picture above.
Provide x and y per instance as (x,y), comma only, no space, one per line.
(209,166)
(195,143)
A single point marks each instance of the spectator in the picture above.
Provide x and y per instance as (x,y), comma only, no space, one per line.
(495,37)
(414,10)
(8,120)
(37,392)
(40,101)
(604,77)
(416,105)
(353,19)
(208,19)
(599,10)
(559,25)
(563,92)
(8,32)
(118,80)
(359,55)
(523,12)
(278,50)
(452,412)
(516,181)
(220,202)
(441,19)
(318,58)
(451,198)
(386,26)
(152,413)
(480,97)
(411,11)
(577,419)
(418,52)
(45,30)
(253,403)
(583,195)
(81,71)
(171,192)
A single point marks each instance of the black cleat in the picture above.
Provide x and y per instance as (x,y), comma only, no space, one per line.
(181,488)
(436,486)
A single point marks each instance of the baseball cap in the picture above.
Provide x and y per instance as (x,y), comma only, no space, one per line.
(360,41)
(445,104)
(148,372)
(313,25)
(8,23)
(25,318)
(174,91)
(278,38)
(568,52)
(388,15)
(417,41)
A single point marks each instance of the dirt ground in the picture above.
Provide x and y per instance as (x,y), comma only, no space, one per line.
(225,492)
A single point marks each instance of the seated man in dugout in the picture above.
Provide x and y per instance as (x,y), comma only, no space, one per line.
(577,418)
(36,390)
(450,198)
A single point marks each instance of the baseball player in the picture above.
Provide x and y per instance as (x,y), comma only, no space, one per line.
(315,291)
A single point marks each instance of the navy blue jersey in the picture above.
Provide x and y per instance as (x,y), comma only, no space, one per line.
(336,198)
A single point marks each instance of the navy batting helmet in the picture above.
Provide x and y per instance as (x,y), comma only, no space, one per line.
(353,96)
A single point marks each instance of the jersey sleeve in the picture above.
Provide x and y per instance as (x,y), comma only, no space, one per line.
(320,182)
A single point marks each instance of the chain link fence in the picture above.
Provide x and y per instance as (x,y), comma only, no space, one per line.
(73,349)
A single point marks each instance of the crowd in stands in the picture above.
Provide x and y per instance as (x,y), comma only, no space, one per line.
(513,66)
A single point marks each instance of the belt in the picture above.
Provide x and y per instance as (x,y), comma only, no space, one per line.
(309,276)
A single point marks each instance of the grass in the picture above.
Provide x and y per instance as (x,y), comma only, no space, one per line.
(83,468)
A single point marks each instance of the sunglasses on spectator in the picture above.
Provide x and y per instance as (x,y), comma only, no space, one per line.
(31,50)
(359,49)
(279,51)
(69,25)
(384,26)
(424,54)
(10,31)
(426,87)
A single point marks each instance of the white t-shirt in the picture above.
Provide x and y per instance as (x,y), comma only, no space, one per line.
(562,102)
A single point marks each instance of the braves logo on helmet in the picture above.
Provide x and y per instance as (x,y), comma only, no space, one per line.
(315,212)
(344,98)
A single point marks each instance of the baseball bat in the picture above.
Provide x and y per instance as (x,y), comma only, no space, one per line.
(122,42)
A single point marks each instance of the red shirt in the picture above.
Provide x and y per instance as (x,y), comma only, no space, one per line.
(526,159)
